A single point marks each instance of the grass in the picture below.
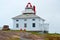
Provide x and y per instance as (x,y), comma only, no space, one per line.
(15,39)
(47,35)
(11,30)
(36,33)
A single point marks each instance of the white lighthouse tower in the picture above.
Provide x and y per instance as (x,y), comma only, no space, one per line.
(29,20)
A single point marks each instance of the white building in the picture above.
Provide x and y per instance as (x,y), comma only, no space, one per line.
(29,20)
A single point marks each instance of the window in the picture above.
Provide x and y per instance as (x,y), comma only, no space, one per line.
(33,19)
(17,25)
(25,19)
(25,25)
(33,24)
(17,20)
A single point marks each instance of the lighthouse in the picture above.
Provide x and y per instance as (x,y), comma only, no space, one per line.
(29,9)
(29,21)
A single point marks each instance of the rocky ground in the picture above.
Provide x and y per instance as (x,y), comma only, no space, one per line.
(17,35)
(30,36)
(23,35)
(9,35)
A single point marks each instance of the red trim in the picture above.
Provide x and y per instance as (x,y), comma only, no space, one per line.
(34,9)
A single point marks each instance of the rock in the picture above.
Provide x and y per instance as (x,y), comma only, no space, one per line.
(5,27)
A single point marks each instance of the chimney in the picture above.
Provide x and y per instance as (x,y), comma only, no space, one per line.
(34,9)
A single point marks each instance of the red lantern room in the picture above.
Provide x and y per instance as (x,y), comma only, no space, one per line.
(29,5)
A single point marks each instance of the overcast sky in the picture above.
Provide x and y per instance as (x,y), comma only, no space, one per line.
(46,9)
